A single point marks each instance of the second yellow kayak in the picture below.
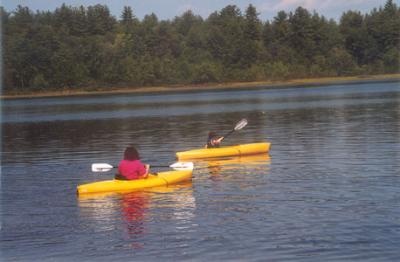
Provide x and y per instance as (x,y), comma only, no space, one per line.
(237,150)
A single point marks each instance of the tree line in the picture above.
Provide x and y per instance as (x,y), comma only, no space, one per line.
(81,47)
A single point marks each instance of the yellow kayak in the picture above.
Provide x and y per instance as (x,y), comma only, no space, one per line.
(237,150)
(153,180)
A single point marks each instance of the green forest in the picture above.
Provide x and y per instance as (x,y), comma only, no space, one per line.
(87,47)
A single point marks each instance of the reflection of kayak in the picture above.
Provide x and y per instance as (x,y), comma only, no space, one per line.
(153,180)
(247,160)
(237,150)
(241,164)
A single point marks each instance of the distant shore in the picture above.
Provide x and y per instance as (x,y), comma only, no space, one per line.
(206,87)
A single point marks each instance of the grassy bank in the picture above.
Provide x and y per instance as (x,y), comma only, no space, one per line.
(211,86)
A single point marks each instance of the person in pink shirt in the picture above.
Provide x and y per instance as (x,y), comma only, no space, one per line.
(131,167)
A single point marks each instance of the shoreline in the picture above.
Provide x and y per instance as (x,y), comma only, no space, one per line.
(209,87)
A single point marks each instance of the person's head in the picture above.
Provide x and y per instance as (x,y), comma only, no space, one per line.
(131,153)
(212,134)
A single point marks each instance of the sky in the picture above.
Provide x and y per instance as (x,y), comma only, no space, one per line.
(168,9)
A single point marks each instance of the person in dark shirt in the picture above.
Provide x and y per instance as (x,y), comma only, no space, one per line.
(213,140)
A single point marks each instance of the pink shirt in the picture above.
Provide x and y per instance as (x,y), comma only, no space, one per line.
(132,169)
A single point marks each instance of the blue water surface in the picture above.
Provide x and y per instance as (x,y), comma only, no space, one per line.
(328,190)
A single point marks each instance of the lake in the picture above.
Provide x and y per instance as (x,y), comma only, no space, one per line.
(329,189)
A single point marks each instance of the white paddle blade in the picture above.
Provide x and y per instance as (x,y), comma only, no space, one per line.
(182,166)
(101,167)
(242,123)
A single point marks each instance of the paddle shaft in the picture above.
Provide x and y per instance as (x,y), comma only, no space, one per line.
(228,134)
(150,167)
(104,167)
(241,124)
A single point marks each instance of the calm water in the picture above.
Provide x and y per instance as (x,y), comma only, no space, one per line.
(329,190)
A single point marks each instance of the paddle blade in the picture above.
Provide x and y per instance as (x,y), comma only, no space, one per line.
(242,123)
(182,166)
(101,167)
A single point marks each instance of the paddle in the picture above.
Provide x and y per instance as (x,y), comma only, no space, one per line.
(242,123)
(104,167)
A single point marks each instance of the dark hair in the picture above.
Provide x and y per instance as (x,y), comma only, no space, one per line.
(212,134)
(131,153)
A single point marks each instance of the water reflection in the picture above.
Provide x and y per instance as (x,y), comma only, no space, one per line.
(136,210)
(100,210)
(179,207)
(133,207)
(242,164)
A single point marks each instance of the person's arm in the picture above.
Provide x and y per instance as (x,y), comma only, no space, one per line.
(217,141)
(147,167)
(214,141)
(144,171)
(220,139)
